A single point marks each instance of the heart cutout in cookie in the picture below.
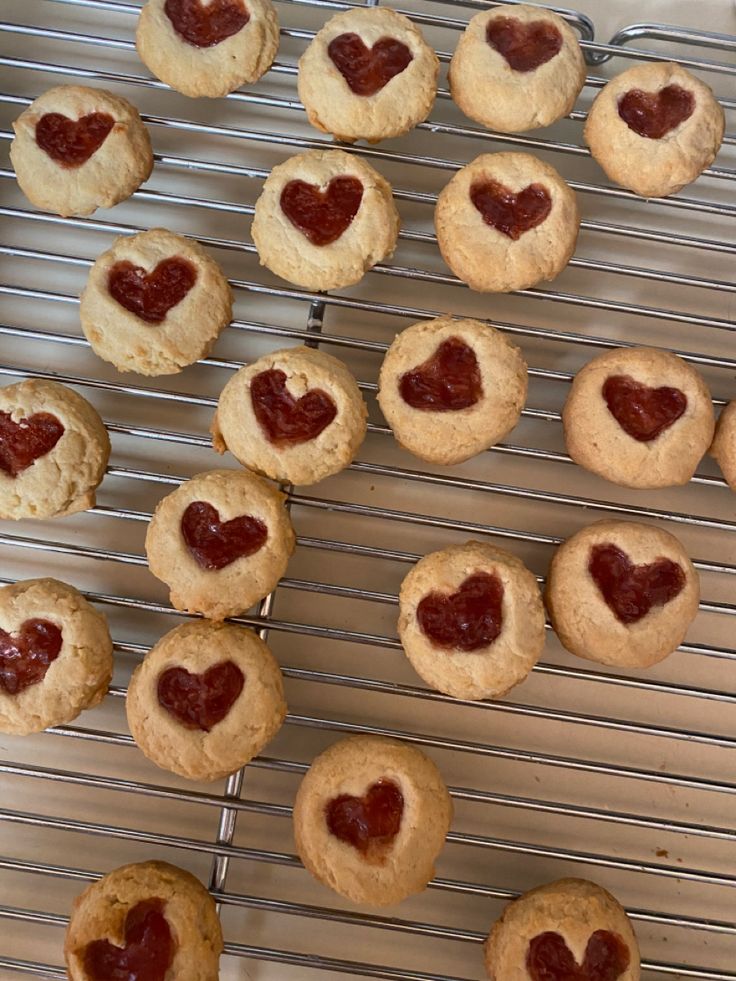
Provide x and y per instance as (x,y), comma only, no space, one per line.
(525,46)
(151,295)
(24,442)
(288,421)
(71,142)
(655,114)
(642,412)
(322,216)
(148,952)
(509,213)
(367,70)
(25,657)
(550,959)
(632,590)
(203,26)
(214,544)
(467,620)
(368,823)
(200,701)
(448,381)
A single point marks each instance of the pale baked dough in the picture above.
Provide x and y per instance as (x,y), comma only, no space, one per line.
(448,437)
(79,676)
(113,172)
(99,914)
(573,908)
(190,328)
(484,257)
(584,622)
(226,592)
(596,441)
(370,237)
(404,101)
(724,444)
(64,480)
(351,766)
(486,87)
(654,168)
(491,671)
(213,71)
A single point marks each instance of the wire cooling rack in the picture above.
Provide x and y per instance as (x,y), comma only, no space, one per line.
(625,778)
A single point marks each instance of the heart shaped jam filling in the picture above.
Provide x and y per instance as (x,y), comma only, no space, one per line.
(214,544)
(203,26)
(200,701)
(285,420)
(642,412)
(148,952)
(654,114)
(368,823)
(22,443)
(446,382)
(550,959)
(367,70)
(25,657)
(150,296)
(322,216)
(524,46)
(632,590)
(71,142)
(512,214)
(467,620)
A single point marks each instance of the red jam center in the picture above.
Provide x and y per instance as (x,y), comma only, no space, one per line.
(22,443)
(203,26)
(213,543)
(148,952)
(446,382)
(512,214)
(367,70)
(150,296)
(466,620)
(369,823)
(632,590)
(287,421)
(654,114)
(550,959)
(524,46)
(200,701)
(25,657)
(322,216)
(642,412)
(71,142)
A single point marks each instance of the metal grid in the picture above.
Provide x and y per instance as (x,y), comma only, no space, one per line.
(618,777)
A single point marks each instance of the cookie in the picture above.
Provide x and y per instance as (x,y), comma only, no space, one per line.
(724,444)
(207,50)
(55,655)
(54,450)
(516,68)
(471,620)
(368,75)
(154,303)
(150,920)
(370,818)
(205,700)
(451,388)
(622,593)
(639,417)
(655,128)
(221,542)
(77,149)
(571,928)
(323,219)
(506,221)
(295,415)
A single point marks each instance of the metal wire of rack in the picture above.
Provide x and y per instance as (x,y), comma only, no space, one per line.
(624,778)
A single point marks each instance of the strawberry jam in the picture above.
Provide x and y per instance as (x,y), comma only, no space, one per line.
(512,214)
(148,952)
(368,822)
(285,420)
(524,46)
(22,443)
(71,142)
(150,296)
(642,412)
(448,381)
(203,27)
(467,620)
(322,216)
(368,70)
(214,544)
(25,657)
(632,590)
(655,114)
(200,701)
(550,959)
